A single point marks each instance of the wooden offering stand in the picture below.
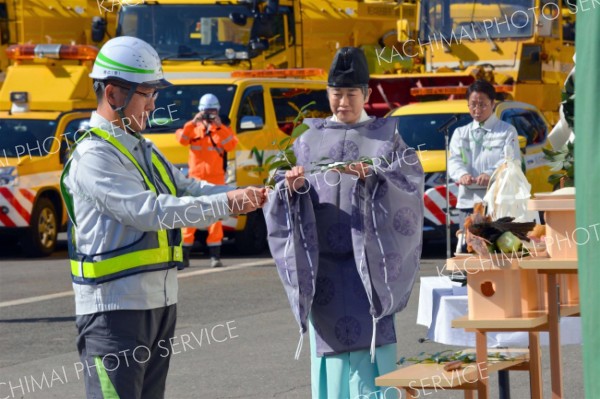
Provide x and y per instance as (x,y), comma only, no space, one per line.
(514,294)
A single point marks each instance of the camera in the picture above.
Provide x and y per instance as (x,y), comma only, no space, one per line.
(209,117)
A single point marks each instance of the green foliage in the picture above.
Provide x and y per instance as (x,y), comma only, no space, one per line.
(325,163)
(450,356)
(285,159)
(563,162)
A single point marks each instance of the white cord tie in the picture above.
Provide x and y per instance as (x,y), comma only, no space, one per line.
(373,339)
(299,347)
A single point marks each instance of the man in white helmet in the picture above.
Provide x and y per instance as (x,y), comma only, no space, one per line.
(127,203)
(209,140)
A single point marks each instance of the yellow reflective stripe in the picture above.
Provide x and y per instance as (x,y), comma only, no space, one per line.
(164,253)
(106,136)
(125,262)
(106,385)
(162,235)
(163,174)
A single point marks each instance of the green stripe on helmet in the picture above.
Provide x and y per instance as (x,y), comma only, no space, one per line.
(106,62)
(112,68)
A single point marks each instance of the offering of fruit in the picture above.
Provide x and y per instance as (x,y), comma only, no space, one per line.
(508,242)
(500,235)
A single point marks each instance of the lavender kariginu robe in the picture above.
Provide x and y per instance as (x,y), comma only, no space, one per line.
(348,250)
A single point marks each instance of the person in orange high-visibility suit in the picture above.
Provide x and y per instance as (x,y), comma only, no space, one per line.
(208,139)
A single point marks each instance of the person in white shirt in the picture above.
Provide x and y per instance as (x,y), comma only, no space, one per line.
(477,149)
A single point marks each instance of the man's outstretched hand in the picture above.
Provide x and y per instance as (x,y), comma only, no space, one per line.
(244,200)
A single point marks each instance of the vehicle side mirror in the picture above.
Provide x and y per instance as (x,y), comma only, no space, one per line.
(251,122)
(98,29)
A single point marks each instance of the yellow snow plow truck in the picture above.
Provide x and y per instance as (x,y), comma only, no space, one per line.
(46,96)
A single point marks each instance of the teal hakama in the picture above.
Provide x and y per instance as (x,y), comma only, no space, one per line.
(351,375)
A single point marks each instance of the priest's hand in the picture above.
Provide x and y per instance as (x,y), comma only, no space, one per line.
(294,179)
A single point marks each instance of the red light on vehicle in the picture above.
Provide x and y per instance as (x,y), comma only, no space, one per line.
(450,90)
(278,73)
(78,52)
(51,51)
(438,90)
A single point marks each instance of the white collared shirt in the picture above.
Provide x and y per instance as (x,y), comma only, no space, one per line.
(363,117)
(477,149)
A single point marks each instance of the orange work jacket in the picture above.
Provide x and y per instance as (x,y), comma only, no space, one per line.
(206,159)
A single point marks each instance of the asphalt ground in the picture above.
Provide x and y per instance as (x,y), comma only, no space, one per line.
(235,336)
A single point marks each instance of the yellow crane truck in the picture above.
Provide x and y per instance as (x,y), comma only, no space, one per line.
(416,49)
(525,47)
(207,35)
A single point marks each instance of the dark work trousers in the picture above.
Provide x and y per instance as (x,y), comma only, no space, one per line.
(124,353)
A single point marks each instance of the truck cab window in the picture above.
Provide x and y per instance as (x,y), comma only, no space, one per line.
(528,124)
(287,103)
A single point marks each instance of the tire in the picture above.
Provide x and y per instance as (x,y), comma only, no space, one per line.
(40,239)
(253,239)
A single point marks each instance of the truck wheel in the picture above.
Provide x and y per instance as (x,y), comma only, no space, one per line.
(253,239)
(40,238)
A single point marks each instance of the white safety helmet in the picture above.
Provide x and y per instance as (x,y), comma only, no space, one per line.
(131,60)
(209,101)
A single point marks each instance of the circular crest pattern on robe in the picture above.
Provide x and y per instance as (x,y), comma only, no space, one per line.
(360,226)
(344,151)
(347,330)
(390,269)
(338,236)
(325,291)
(405,221)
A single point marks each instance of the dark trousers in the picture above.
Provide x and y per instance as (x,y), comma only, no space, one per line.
(125,353)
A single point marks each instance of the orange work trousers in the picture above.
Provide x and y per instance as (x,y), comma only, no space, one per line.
(215,235)
(215,230)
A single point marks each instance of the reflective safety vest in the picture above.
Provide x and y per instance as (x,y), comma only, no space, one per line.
(153,251)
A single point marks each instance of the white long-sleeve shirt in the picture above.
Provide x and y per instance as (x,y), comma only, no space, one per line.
(113,208)
(476,149)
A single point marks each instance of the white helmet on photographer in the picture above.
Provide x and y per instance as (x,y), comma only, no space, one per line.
(209,101)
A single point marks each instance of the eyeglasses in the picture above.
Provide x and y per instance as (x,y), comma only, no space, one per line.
(479,105)
(152,95)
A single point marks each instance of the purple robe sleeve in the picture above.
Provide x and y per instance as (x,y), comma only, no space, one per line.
(387,229)
(292,241)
